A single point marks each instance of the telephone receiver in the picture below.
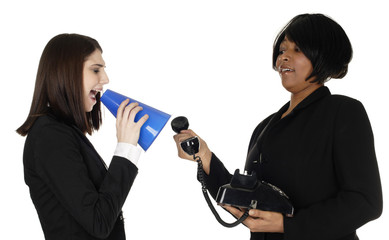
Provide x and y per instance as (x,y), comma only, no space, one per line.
(191,145)
(244,191)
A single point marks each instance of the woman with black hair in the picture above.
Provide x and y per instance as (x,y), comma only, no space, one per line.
(75,194)
(318,148)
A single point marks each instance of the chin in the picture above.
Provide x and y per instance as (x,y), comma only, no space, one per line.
(287,87)
(88,109)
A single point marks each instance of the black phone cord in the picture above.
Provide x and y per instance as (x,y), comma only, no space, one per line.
(200,175)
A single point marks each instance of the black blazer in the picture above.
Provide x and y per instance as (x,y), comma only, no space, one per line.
(75,195)
(321,155)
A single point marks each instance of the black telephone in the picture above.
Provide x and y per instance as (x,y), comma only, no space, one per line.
(244,191)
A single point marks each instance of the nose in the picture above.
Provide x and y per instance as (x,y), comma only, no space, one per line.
(104,79)
(284,57)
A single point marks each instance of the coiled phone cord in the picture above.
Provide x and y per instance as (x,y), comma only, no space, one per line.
(200,175)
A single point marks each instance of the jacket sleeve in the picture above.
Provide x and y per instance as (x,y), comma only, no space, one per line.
(60,164)
(218,176)
(359,198)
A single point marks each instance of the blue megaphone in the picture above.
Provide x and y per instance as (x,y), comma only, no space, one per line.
(152,127)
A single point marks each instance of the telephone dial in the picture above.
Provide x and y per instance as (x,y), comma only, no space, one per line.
(244,191)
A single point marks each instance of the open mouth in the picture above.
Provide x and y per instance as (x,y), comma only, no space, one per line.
(93,93)
(283,69)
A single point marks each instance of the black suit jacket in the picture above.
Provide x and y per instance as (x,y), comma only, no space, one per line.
(321,155)
(75,195)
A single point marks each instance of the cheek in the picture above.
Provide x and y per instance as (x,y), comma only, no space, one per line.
(305,67)
(309,71)
(88,81)
(278,62)
(85,81)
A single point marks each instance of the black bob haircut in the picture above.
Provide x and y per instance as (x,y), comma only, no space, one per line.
(323,42)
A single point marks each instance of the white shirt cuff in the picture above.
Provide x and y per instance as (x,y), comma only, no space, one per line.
(129,151)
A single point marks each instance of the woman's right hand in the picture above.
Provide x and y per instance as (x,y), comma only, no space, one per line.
(204,153)
(127,130)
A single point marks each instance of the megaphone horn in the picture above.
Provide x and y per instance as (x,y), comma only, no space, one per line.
(152,127)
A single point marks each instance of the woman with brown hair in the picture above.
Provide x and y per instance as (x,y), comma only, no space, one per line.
(75,194)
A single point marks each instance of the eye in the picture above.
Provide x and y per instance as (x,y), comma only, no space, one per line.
(281,50)
(96,70)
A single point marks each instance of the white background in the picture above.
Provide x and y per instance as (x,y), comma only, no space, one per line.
(205,59)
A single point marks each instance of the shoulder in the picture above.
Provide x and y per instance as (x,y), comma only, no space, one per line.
(348,111)
(49,142)
(48,122)
(263,124)
(337,99)
(47,129)
(341,104)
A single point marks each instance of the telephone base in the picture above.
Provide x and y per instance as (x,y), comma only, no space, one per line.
(263,196)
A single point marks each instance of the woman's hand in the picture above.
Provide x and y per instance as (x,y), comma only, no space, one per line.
(127,130)
(260,221)
(204,153)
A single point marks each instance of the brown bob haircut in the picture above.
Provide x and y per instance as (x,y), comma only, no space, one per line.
(59,84)
(322,40)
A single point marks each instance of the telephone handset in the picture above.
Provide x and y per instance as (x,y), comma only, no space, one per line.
(191,146)
(244,191)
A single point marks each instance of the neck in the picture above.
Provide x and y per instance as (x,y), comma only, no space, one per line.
(297,97)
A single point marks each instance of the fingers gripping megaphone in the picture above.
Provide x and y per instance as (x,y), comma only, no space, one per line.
(152,127)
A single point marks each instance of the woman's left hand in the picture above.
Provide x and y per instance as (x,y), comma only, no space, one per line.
(260,221)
